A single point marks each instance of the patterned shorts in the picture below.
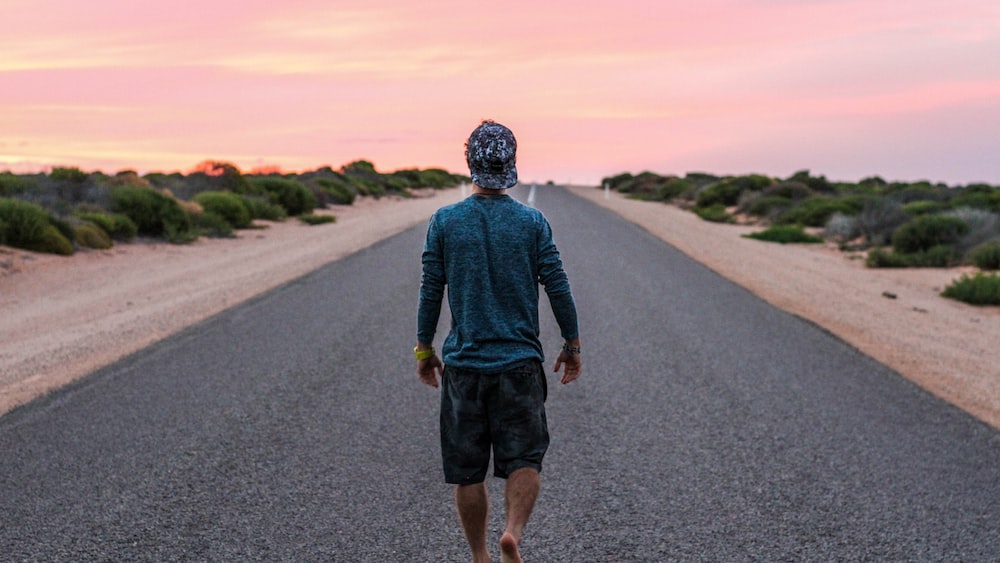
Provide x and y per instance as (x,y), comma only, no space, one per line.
(504,411)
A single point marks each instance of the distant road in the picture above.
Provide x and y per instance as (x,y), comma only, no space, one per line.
(707,426)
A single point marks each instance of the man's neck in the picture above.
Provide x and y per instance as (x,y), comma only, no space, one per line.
(484,191)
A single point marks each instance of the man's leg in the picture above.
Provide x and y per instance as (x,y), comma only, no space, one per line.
(473,510)
(521,493)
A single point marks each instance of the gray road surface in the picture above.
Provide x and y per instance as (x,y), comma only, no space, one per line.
(708,426)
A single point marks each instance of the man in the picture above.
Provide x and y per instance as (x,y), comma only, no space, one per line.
(492,252)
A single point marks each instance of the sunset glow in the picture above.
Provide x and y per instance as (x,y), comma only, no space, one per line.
(906,90)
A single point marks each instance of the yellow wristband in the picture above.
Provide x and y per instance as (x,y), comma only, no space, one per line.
(423,354)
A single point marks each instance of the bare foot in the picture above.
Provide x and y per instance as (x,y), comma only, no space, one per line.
(508,549)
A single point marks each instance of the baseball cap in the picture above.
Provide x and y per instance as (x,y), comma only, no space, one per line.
(491,154)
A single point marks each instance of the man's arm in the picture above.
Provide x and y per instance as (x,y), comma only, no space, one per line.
(432,282)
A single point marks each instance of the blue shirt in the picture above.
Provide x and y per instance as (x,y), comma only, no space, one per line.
(492,252)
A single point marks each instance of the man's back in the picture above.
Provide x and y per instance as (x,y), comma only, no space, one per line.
(492,252)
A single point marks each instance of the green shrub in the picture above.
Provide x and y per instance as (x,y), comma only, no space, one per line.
(986,256)
(879,219)
(12,184)
(927,231)
(940,256)
(814,211)
(293,195)
(89,235)
(714,213)
(29,226)
(227,205)
(338,190)
(785,234)
(980,289)
(116,225)
(313,219)
(842,228)
(723,193)
(211,224)
(155,214)
(923,207)
(790,189)
(879,258)
(261,208)
(765,205)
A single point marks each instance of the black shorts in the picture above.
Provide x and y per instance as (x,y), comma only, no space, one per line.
(504,411)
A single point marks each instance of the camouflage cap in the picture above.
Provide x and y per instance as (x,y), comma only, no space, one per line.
(491,153)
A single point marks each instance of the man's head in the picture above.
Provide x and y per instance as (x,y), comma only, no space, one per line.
(491,153)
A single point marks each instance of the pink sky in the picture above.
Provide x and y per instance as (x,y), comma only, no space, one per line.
(905,89)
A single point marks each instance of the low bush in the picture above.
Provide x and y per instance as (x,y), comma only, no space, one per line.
(980,289)
(155,214)
(926,232)
(293,195)
(723,193)
(211,224)
(879,258)
(842,228)
(879,219)
(29,226)
(766,205)
(261,208)
(89,235)
(785,234)
(227,205)
(339,191)
(984,226)
(814,211)
(116,225)
(313,219)
(986,256)
(924,207)
(715,213)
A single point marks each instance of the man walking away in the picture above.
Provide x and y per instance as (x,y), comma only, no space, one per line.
(493,252)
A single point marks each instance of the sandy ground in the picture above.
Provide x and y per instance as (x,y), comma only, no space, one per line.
(62,318)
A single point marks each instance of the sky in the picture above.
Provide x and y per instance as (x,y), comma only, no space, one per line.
(904,89)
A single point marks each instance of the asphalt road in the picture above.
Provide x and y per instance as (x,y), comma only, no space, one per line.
(707,426)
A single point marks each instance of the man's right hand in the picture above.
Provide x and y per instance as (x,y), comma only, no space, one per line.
(572,362)
(430,370)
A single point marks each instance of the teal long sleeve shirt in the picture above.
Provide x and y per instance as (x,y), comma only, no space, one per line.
(492,252)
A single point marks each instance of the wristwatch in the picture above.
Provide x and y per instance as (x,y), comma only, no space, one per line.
(424,354)
(571,349)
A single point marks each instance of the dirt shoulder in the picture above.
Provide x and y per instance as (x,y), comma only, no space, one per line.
(64,317)
(895,316)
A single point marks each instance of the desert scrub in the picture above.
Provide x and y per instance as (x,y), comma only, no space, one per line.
(292,195)
(117,226)
(986,256)
(926,232)
(881,258)
(155,214)
(980,289)
(262,208)
(213,225)
(227,205)
(313,219)
(338,190)
(29,226)
(814,211)
(715,213)
(879,219)
(785,234)
(841,228)
(89,235)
